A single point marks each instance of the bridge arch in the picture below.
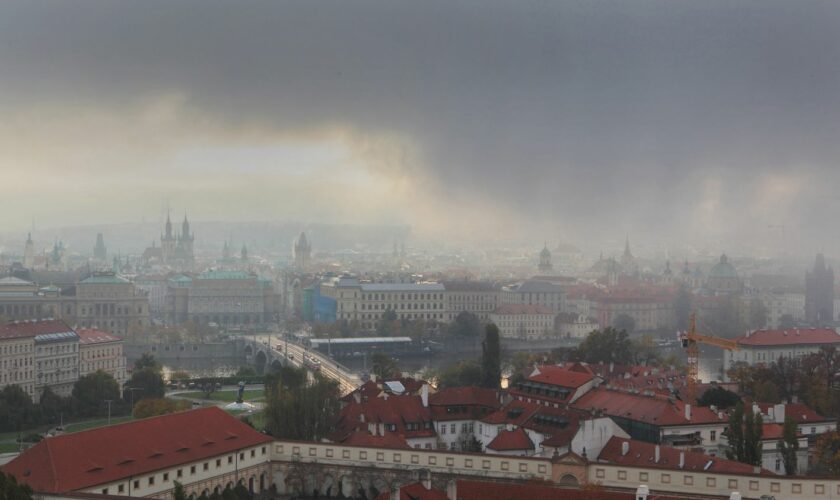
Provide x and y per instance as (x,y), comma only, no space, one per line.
(260,361)
(249,350)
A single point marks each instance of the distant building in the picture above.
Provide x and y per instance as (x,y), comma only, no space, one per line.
(767,346)
(176,249)
(29,252)
(103,351)
(221,297)
(819,293)
(545,260)
(302,252)
(628,262)
(544,292)
(477,297)
(723,279)
(99,251)
(524,321)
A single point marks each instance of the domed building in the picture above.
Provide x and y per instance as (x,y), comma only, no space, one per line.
(723,278)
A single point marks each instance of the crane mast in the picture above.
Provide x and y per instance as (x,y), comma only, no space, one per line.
(690,341)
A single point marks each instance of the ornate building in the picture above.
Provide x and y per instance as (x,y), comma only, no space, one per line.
(819,293)
(176,249)
(723,279)
(545,260)
(99,251)
(29,253)
(302,252)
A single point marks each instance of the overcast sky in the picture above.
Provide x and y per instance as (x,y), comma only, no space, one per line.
(705,120)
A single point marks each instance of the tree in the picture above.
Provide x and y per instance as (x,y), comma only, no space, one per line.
(827,452)
(148,384)
(466,325)
(91,391)
(491,358)
(51,406)
(178,493)
(758,314)
(461,374)
(16,409)
(788,446)
(753,430)
(10,489)
(719,397)
(735,434)
(625,323)
(605,346)
(305,412)
(389,325)
(246,371)
(147,361)
(384,367)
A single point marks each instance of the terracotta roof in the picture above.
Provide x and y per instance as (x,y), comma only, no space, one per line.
(654,409)
(522,309)
(415,491)
(85,459)
(371,389)
(365,438)
(399,411)
(643,454)
(561,376)
(799,412)
(560,424)
(94,336)
(33,328)
(486,490)
(463,403)
(516,439)
(794,336)
(774,431)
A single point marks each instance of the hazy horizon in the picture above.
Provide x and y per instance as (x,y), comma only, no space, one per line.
(707,124)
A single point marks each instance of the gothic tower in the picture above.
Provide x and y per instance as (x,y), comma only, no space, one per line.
(819,293)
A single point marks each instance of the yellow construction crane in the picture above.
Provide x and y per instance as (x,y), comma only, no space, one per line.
(690,341)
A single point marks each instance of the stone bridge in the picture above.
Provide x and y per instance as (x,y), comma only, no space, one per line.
(263,358)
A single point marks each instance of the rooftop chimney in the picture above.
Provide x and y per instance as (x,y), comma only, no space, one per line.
(734,496)
(424,395)
(779,413)
(452,489)
(395,492)
(682,459)
(426,479)
(642,492)
(381,428)
(357,396)
(688,412)
(656,454)
(625,448)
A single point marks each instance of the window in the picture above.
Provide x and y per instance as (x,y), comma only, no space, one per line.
(166,476)
(778,465)
(192,469)
(713,436)
(218,462)
(151,480)
(136,484)
(180,473)
(206,465)
(104,491)
(230,459)
(253,453)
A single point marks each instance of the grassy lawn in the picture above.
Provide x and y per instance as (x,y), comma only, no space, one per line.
(9,447)
(91,424)
(226,396)
(258,419)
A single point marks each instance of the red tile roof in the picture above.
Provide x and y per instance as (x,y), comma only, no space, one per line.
(560,424)
(561,376)
(463,403)
(371,389)
(486,490)
(514,440)
(415,491)
(397,410)
(23,329)
(85,459)
(655,409)
(794,336)
(93,336)
(643,454)
(522,309)
(365,438)
(799,412)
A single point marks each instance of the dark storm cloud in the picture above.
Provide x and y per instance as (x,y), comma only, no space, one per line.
(620,115)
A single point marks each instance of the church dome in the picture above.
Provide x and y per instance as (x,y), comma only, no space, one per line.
(723,269)
(545,253)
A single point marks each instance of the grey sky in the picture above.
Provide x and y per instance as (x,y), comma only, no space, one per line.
(706,119)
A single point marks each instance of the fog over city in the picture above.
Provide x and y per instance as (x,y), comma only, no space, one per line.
(712,124)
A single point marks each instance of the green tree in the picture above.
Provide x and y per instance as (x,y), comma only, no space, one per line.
(491,358)
(625,323)
(91,391)
(384,367)
(16,409)
(735,434)
(461,374)
(178,493)
(466,324)
(753,430)
(788,446)
(51,406)
(147,362)
(827,452)
(389,325)
(148,384)
(10,489)
(305,412)
(246,371)
(719,397)
(605,346)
